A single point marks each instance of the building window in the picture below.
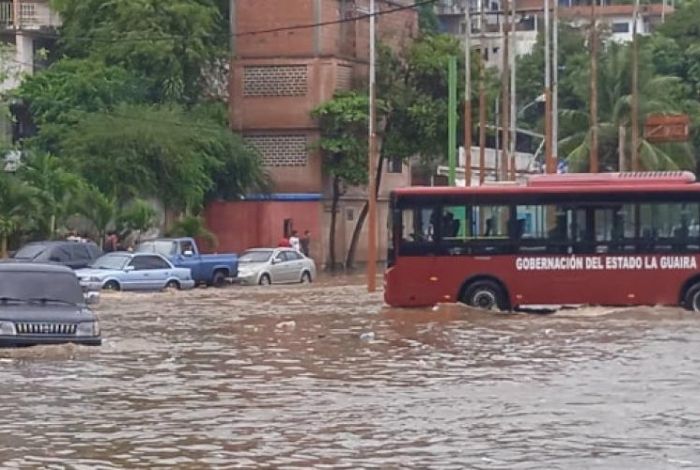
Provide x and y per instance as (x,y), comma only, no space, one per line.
(395,165)
(621,27)
(275,80)
(281,150)
(343,78)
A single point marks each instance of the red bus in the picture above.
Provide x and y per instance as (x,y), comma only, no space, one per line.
(573,239)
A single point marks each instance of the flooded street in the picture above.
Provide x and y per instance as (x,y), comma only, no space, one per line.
(322,376)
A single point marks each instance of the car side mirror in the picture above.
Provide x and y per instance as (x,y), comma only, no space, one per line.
(128,268)
(275,261)
(188,253)
(92,298)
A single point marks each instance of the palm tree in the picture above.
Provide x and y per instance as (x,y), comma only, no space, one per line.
(657,95)
(56,190)
(99,209)
(138,216)
(17,203)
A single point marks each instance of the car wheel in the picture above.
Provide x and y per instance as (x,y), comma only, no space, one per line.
(112,285)
(306,277)
(486,295)
(172,285)
(219,279)
(265,280)
(691,301)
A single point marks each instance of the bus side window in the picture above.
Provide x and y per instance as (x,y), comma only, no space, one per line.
(489,228)
(543,228)
(417,231)
(669,227)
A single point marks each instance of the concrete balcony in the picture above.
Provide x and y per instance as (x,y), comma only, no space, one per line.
(27,16)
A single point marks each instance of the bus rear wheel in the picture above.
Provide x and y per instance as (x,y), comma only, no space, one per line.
(691,301)
(486,295)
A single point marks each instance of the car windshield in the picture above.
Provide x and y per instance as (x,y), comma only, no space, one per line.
(47,286)
(30,251)
(255,256)
(111,261)
(162,247)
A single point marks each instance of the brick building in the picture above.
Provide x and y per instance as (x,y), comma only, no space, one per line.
(278,75)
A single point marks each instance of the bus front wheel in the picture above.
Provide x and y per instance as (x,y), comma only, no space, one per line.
(692,298)
(486,295)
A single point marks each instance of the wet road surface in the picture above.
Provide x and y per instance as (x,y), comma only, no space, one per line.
(322,376)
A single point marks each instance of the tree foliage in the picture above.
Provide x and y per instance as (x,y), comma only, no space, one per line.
(156,151)
(167,44)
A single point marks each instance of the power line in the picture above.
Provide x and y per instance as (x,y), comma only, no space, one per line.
(166,37)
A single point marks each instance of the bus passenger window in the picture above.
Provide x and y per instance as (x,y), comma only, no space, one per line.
(544,228)
(417,231)
(669,227)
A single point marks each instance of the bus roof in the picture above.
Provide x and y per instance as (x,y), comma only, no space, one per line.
(632,182)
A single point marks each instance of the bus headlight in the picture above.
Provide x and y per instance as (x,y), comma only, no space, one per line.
(7,328)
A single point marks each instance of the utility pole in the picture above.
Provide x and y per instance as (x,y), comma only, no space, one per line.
(467,93)
(634,151)
(593,157)
(452,120)
(505,93)
(372,193)
(549,166)
(513,91)
(555,85)
(482,95)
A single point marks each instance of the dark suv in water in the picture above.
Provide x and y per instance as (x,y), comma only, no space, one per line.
(75,255)
(44,304)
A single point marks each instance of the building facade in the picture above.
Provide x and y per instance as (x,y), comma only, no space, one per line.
(618,19)
(26,28)
(288,58)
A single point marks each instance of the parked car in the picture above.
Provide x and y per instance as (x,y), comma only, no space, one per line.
(43,304)
(75,255)
(275,266)
(134,271)
(212,270)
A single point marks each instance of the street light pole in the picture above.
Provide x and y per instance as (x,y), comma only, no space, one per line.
(513,91)
(467,94)
(549,167)
(634,151)
(372,190)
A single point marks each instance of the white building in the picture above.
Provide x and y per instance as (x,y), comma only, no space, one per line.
(26,27)
(529,20)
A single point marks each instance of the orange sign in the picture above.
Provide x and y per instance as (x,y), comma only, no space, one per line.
(666,127)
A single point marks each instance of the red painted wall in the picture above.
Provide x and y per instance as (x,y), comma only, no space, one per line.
(249,224)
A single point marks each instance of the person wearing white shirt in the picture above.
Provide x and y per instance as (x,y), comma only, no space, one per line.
(294,240)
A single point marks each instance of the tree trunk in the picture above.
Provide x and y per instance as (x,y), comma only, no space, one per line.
(350,258)
(3,246)
(52,226)
(335,197)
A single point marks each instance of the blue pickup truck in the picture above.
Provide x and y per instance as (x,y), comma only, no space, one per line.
(213,270)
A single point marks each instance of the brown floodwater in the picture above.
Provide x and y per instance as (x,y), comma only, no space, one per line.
(323,376)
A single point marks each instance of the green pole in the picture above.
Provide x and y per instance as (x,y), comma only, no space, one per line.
(452,121)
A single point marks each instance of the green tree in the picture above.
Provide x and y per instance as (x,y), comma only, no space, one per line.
(157,151)
(343,122)
(170,45)
(193,226)
(101,210)
(55,191)
(17,203)
(658,94)
(413,118)
(137,216)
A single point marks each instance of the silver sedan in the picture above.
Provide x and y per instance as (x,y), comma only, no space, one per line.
(266,266)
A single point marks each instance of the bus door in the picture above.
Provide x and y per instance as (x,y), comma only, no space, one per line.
(544,238)
(417,253)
